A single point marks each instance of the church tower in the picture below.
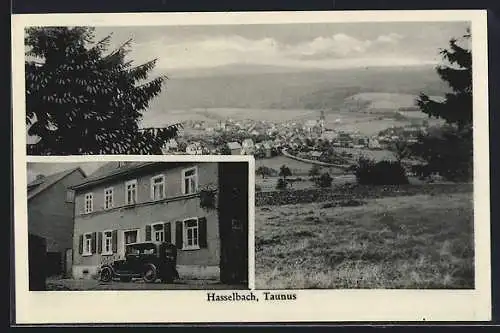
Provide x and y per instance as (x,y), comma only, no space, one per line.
(322,121)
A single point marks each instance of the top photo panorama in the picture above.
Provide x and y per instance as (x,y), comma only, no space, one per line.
(335,95)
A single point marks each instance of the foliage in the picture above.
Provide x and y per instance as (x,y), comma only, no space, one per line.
(281,184)
(81,99)
(265,171)
(224,150)
(260,152)
(457,106)
(450,151)
(401,149)
(285,172)
(325,180)
(381,173)
(181,146)
(315,170)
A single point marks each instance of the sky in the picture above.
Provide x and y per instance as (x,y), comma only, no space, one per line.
(318,45)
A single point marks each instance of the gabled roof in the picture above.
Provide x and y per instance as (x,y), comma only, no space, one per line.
(111,169)
(41,184)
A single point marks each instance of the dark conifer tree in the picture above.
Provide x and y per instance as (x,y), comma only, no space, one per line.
(82,99)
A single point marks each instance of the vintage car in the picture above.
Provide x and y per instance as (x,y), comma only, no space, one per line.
(149,261)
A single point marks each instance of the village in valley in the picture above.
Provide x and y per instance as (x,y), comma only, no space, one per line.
(306,142)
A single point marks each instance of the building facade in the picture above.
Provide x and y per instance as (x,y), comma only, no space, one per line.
(151,201)
(50,216)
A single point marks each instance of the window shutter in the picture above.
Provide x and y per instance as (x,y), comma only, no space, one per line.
(148,233)
(80,245)
(202,232)
(94,241)
(114,241)
(168,232)
(178,234)
(99,242)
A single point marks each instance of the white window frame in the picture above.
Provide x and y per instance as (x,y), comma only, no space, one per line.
(138,230)
(127,183)
(112,197)
(91,200)
(185,245)
(153,231)
(163,192)
(104,252)
(84,250)
(137,240)
(183,180)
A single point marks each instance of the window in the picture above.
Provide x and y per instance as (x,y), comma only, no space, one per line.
(87,244)
(89,203)
(108,198)
(131,192)
(191,234)
(70,196)
(107,238)
(130,236)
(158,232)
(158,187)
(189,181)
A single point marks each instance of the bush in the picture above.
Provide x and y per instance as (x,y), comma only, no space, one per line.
(325,180)
(381,173)
(281,185)
(258,188)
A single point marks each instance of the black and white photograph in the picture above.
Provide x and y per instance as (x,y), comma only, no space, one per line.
(367,134)
(362,133)
(138,225)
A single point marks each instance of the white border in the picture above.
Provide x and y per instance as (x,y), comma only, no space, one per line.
(311,305)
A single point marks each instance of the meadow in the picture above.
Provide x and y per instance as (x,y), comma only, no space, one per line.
(422,241)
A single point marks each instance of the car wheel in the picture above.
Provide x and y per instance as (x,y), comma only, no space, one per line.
(125,279)
(150,274)
(106,274)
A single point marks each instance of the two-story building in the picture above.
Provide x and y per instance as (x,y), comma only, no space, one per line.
(130,202)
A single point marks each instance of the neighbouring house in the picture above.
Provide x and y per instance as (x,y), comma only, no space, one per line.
(50,217)
(194,148)
(315,155)
(247,147)
(234,147)
(162,201)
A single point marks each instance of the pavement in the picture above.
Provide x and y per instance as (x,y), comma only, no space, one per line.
(91,284)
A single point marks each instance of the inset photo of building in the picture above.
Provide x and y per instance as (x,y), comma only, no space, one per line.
(138,225)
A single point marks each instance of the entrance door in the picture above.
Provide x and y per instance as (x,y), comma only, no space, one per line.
(68,262)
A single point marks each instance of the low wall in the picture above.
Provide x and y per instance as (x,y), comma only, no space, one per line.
(354,191)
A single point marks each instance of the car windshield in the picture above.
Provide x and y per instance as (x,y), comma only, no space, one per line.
(140,249)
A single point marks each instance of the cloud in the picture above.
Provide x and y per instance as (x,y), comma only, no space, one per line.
(337,50)
(390,38)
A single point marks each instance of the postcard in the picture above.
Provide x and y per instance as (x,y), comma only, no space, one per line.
(251,167)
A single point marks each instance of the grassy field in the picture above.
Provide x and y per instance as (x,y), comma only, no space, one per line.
(421,241)
(298,168)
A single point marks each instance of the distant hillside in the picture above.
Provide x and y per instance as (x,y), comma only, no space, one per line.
(285,89)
